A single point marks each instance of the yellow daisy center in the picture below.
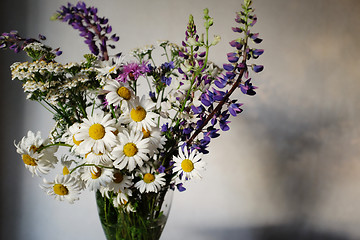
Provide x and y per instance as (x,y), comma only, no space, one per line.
(33,148)
(118,177)
(96,131)
(187,165)
(146,133)
(112,69)
(149,178)
(96,173)
(65,171)
(130,149)
(76,142)
(124,93)
(28,160)
(138,114)
(60,189)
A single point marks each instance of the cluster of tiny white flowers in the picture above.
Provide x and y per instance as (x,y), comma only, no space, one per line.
(36,46)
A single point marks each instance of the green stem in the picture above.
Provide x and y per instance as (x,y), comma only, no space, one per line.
(53,144)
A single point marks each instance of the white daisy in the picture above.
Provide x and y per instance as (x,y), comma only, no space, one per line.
(122,198)
(151,181)
(132,150)
(111,66)
(69,136)
(96,134)
(36,161)
(95,177)
(120,181)
(140,115)
(156,140)
(118,94)
(188,165)
(64,187)
(103,159)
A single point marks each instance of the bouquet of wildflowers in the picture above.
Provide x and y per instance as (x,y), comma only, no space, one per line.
(127,147)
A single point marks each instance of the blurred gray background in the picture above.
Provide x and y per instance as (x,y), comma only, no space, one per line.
(289,168)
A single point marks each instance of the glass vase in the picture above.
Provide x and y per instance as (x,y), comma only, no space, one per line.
(146,223)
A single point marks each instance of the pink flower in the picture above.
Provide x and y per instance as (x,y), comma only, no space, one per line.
(132,71)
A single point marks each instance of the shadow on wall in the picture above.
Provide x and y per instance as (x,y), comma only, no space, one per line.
(280,232)
(11,122)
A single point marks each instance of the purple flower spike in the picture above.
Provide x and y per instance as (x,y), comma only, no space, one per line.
(91,27)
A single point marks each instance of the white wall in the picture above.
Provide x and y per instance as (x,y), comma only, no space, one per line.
(288,167)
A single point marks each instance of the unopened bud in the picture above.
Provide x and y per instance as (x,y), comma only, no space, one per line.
(216,40)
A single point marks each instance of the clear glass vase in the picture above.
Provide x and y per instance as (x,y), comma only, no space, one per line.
(146,223)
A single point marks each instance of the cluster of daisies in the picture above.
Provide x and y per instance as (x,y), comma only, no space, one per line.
(117,149)
(124,144)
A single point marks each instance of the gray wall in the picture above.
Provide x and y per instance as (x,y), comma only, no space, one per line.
(289,167)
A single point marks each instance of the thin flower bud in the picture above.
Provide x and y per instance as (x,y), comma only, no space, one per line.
(191,41)
(216,40)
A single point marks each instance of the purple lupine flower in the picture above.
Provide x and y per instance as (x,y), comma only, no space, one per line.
(257,52)
(165,127)
(213,121)
(180,187)
(212,132)
(202,54)
(228,67)
(241,66)
(166,80)
(224,125)
(161,169)
(197,110)
(91,27)
(167,66)
(255,37)
(230,75)
(248,88)
(254,20)
(221,82)
(234,109)
(257,68)
(232,57)
(152,95)
(218,95)
(237,29)
(206,98)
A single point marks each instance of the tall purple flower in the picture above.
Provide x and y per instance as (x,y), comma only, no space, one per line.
(93,28)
